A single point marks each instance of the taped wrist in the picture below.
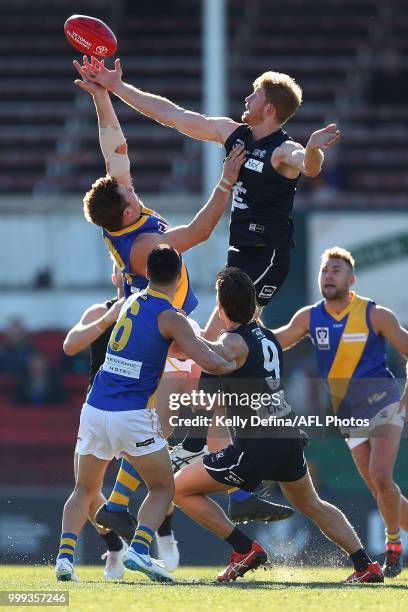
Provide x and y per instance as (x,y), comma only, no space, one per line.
(110,138)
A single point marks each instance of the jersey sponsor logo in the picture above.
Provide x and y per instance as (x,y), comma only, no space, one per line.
(267,291)
(355,337)
(322,338)
(254,164)
(259,153)
(254,227)
(145,442)
(237,192)
(122,366)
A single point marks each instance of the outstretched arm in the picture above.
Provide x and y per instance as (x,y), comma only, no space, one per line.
(111,138)
(173,324)
(200,228)
(160,109)
(309,160)
(295,330)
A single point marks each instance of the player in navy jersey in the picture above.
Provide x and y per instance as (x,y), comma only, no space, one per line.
(118,418)
(348,334)
(258,452)
(261,227)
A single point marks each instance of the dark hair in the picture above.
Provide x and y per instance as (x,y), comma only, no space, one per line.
(104,205)
(236,293)
(163,264)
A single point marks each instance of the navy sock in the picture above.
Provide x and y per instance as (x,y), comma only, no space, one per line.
(112,541)
(165,527)
(360,560)
(239,541)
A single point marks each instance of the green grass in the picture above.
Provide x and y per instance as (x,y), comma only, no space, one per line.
(283,588)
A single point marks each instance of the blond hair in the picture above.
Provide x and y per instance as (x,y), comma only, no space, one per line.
(339,253)
(282,91)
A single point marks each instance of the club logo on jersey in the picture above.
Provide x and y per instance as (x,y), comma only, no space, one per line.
(254,164)
(322,338)
(259,153)
(237,192)
(267,291)
(253,227)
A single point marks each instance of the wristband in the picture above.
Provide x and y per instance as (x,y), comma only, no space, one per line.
(226,181)
(221,188)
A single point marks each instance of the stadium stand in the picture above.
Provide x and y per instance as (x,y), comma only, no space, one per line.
(344,41)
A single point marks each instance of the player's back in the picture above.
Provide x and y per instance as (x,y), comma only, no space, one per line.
(258,382)
(120,245)
(135,356)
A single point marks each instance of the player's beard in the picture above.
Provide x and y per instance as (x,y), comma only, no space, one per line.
(335,293)
(251,118)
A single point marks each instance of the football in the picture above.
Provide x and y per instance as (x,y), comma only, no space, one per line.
(90,36)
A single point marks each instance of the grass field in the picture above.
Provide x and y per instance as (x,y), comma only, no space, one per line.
(272,589)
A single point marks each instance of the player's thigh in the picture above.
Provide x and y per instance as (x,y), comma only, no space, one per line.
(361,457)
(301,493)
(384,450)
(195,480)
(155,468)
(90,473)
(171,382)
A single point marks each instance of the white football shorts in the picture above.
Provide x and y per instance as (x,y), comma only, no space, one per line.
(390,415)
(106,434)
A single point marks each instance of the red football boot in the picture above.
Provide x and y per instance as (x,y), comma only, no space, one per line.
(240,564)
(373,573)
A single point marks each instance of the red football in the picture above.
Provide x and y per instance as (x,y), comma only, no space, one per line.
(90,36)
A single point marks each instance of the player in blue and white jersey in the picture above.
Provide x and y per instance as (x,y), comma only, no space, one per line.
(118,418)
(349,334)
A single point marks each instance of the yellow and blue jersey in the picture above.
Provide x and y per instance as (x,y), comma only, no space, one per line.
(135,356)
(120,245)
(352,358)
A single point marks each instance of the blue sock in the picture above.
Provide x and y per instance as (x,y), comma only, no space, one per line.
(127,481)
(240,495)
(142,539)
(67,546)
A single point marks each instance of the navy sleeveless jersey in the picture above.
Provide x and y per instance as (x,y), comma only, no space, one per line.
(261,374)
(135,356)
(262,199)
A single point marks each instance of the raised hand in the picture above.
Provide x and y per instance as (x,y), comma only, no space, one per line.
(95,71)
(83,83)
(233,163)
(325,138)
